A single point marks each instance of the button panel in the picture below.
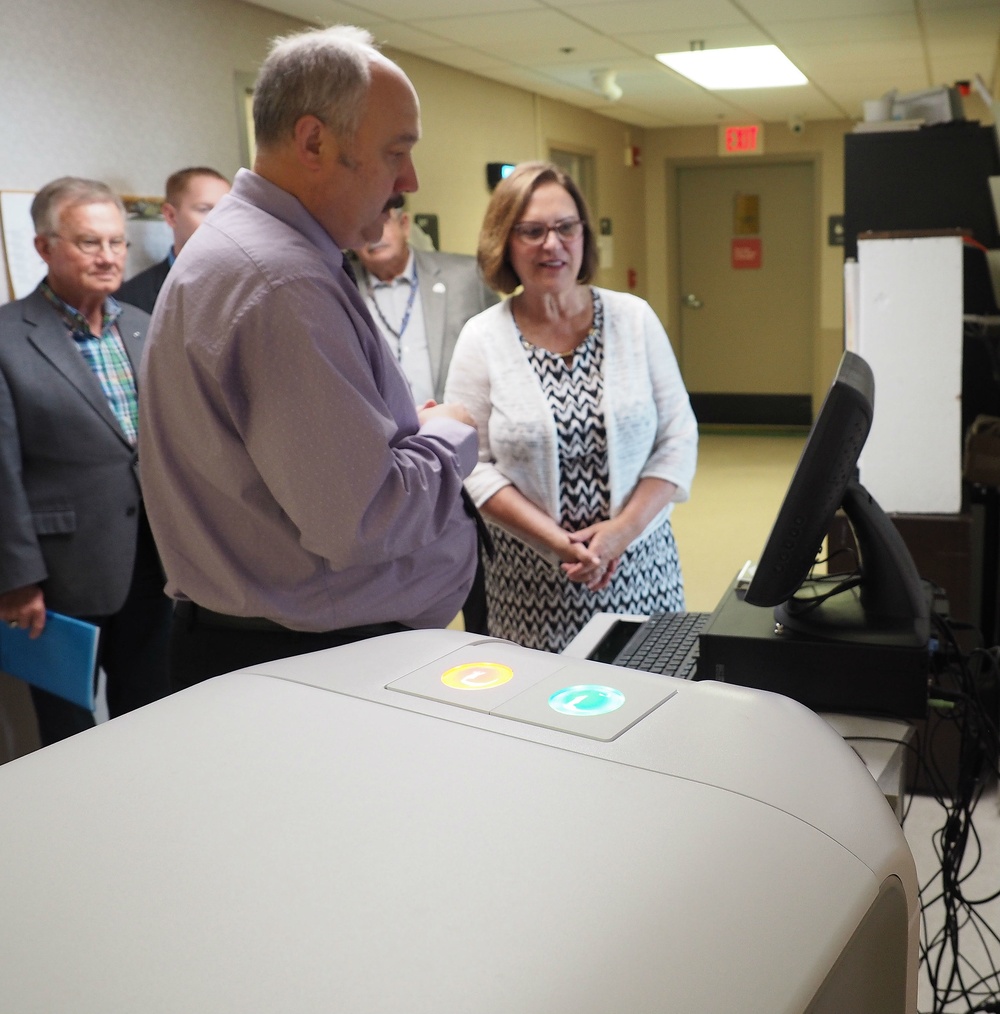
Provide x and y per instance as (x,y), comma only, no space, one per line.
(581,698)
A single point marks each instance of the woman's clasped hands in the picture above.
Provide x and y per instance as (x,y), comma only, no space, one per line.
(594,554)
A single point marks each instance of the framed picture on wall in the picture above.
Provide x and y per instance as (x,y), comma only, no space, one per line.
(149,235)
(23,268)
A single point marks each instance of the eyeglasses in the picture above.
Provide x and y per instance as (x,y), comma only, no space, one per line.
(536,233)
(91,245)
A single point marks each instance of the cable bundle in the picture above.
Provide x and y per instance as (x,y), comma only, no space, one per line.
(964,698)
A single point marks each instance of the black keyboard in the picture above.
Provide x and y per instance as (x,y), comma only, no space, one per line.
(666,644)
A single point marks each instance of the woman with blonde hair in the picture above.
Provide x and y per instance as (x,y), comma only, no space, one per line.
(586,433)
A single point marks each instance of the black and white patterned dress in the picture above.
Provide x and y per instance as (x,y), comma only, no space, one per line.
(530,600)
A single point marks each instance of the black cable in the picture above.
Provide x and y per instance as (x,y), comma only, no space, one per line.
(959,681)
(839,584)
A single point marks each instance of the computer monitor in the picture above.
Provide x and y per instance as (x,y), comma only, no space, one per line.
(884,598)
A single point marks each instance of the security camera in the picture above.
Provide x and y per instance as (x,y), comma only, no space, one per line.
(796,125)
(606,84)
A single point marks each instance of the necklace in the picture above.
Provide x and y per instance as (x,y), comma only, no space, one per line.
(398,335)
(579,338)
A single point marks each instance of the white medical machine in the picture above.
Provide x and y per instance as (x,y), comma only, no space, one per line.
(434,822)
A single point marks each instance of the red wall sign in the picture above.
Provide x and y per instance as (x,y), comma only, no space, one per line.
(747,252)
(741,139)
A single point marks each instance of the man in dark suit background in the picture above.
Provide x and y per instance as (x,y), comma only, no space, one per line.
(74,536)
(190,195)
(420,301)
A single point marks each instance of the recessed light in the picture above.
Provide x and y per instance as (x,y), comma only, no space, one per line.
(741,67)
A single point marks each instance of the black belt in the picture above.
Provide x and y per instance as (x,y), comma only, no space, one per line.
(199,616)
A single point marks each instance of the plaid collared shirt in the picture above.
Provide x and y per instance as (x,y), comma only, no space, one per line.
(106,356)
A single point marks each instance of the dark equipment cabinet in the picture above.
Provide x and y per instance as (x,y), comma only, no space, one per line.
(931,178)
(922,180)
(936,178)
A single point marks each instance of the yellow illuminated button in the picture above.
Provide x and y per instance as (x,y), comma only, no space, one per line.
(585,700)
(477,676)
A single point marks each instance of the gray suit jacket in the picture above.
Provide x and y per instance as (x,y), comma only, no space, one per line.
(69,485)
(451,291)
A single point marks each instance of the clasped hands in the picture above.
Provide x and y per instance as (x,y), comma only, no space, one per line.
(593,554)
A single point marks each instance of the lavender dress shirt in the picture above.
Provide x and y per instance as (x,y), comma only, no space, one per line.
(284,469)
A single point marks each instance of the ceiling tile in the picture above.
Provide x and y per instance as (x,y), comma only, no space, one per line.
(417,10)
(833,31)
(805,102)
(961,24)
(324,12)
(849,49)
(942,5)
(713,38)
(657,15)
(869,58)
(525,37)
(463,58)
(408,38)
(766,11)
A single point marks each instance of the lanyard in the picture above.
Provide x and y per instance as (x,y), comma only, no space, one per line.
(398,335)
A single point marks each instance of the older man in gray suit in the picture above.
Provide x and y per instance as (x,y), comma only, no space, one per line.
(74,536)
(420,300)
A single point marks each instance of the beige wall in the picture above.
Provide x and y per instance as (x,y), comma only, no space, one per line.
(822,143)
(124,92)
(173,103)
(469,121)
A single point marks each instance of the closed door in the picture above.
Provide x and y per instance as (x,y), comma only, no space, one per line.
(747,266)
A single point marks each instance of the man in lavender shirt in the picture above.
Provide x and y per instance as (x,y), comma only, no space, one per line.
(298,498)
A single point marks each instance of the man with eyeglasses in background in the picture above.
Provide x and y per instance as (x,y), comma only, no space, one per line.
(420,300)
(74,536)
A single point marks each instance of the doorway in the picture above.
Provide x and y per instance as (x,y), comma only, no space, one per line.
(580,167)
(746,285)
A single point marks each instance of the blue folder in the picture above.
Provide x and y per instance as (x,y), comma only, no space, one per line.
(62,660)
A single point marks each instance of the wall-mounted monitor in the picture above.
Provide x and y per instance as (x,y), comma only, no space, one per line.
(497,171)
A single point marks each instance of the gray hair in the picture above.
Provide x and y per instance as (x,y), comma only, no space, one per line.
(324,72)
(65,192)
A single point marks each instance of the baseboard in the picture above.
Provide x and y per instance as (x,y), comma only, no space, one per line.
(752,409)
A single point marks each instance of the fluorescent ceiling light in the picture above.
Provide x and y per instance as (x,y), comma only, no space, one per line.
(744,67)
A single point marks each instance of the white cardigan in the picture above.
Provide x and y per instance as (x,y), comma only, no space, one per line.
(651,429)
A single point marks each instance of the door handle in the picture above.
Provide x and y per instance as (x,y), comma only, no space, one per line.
(693,301)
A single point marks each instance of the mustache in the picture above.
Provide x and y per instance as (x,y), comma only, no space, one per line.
(394,202)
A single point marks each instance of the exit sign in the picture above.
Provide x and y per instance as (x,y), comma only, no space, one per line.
(745,139)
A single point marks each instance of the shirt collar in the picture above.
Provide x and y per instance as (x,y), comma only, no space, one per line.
(268,197)
(72,317)
(408,276)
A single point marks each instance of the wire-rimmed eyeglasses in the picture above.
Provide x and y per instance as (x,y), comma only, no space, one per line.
(91,245)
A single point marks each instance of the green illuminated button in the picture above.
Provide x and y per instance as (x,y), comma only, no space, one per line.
(586,699)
